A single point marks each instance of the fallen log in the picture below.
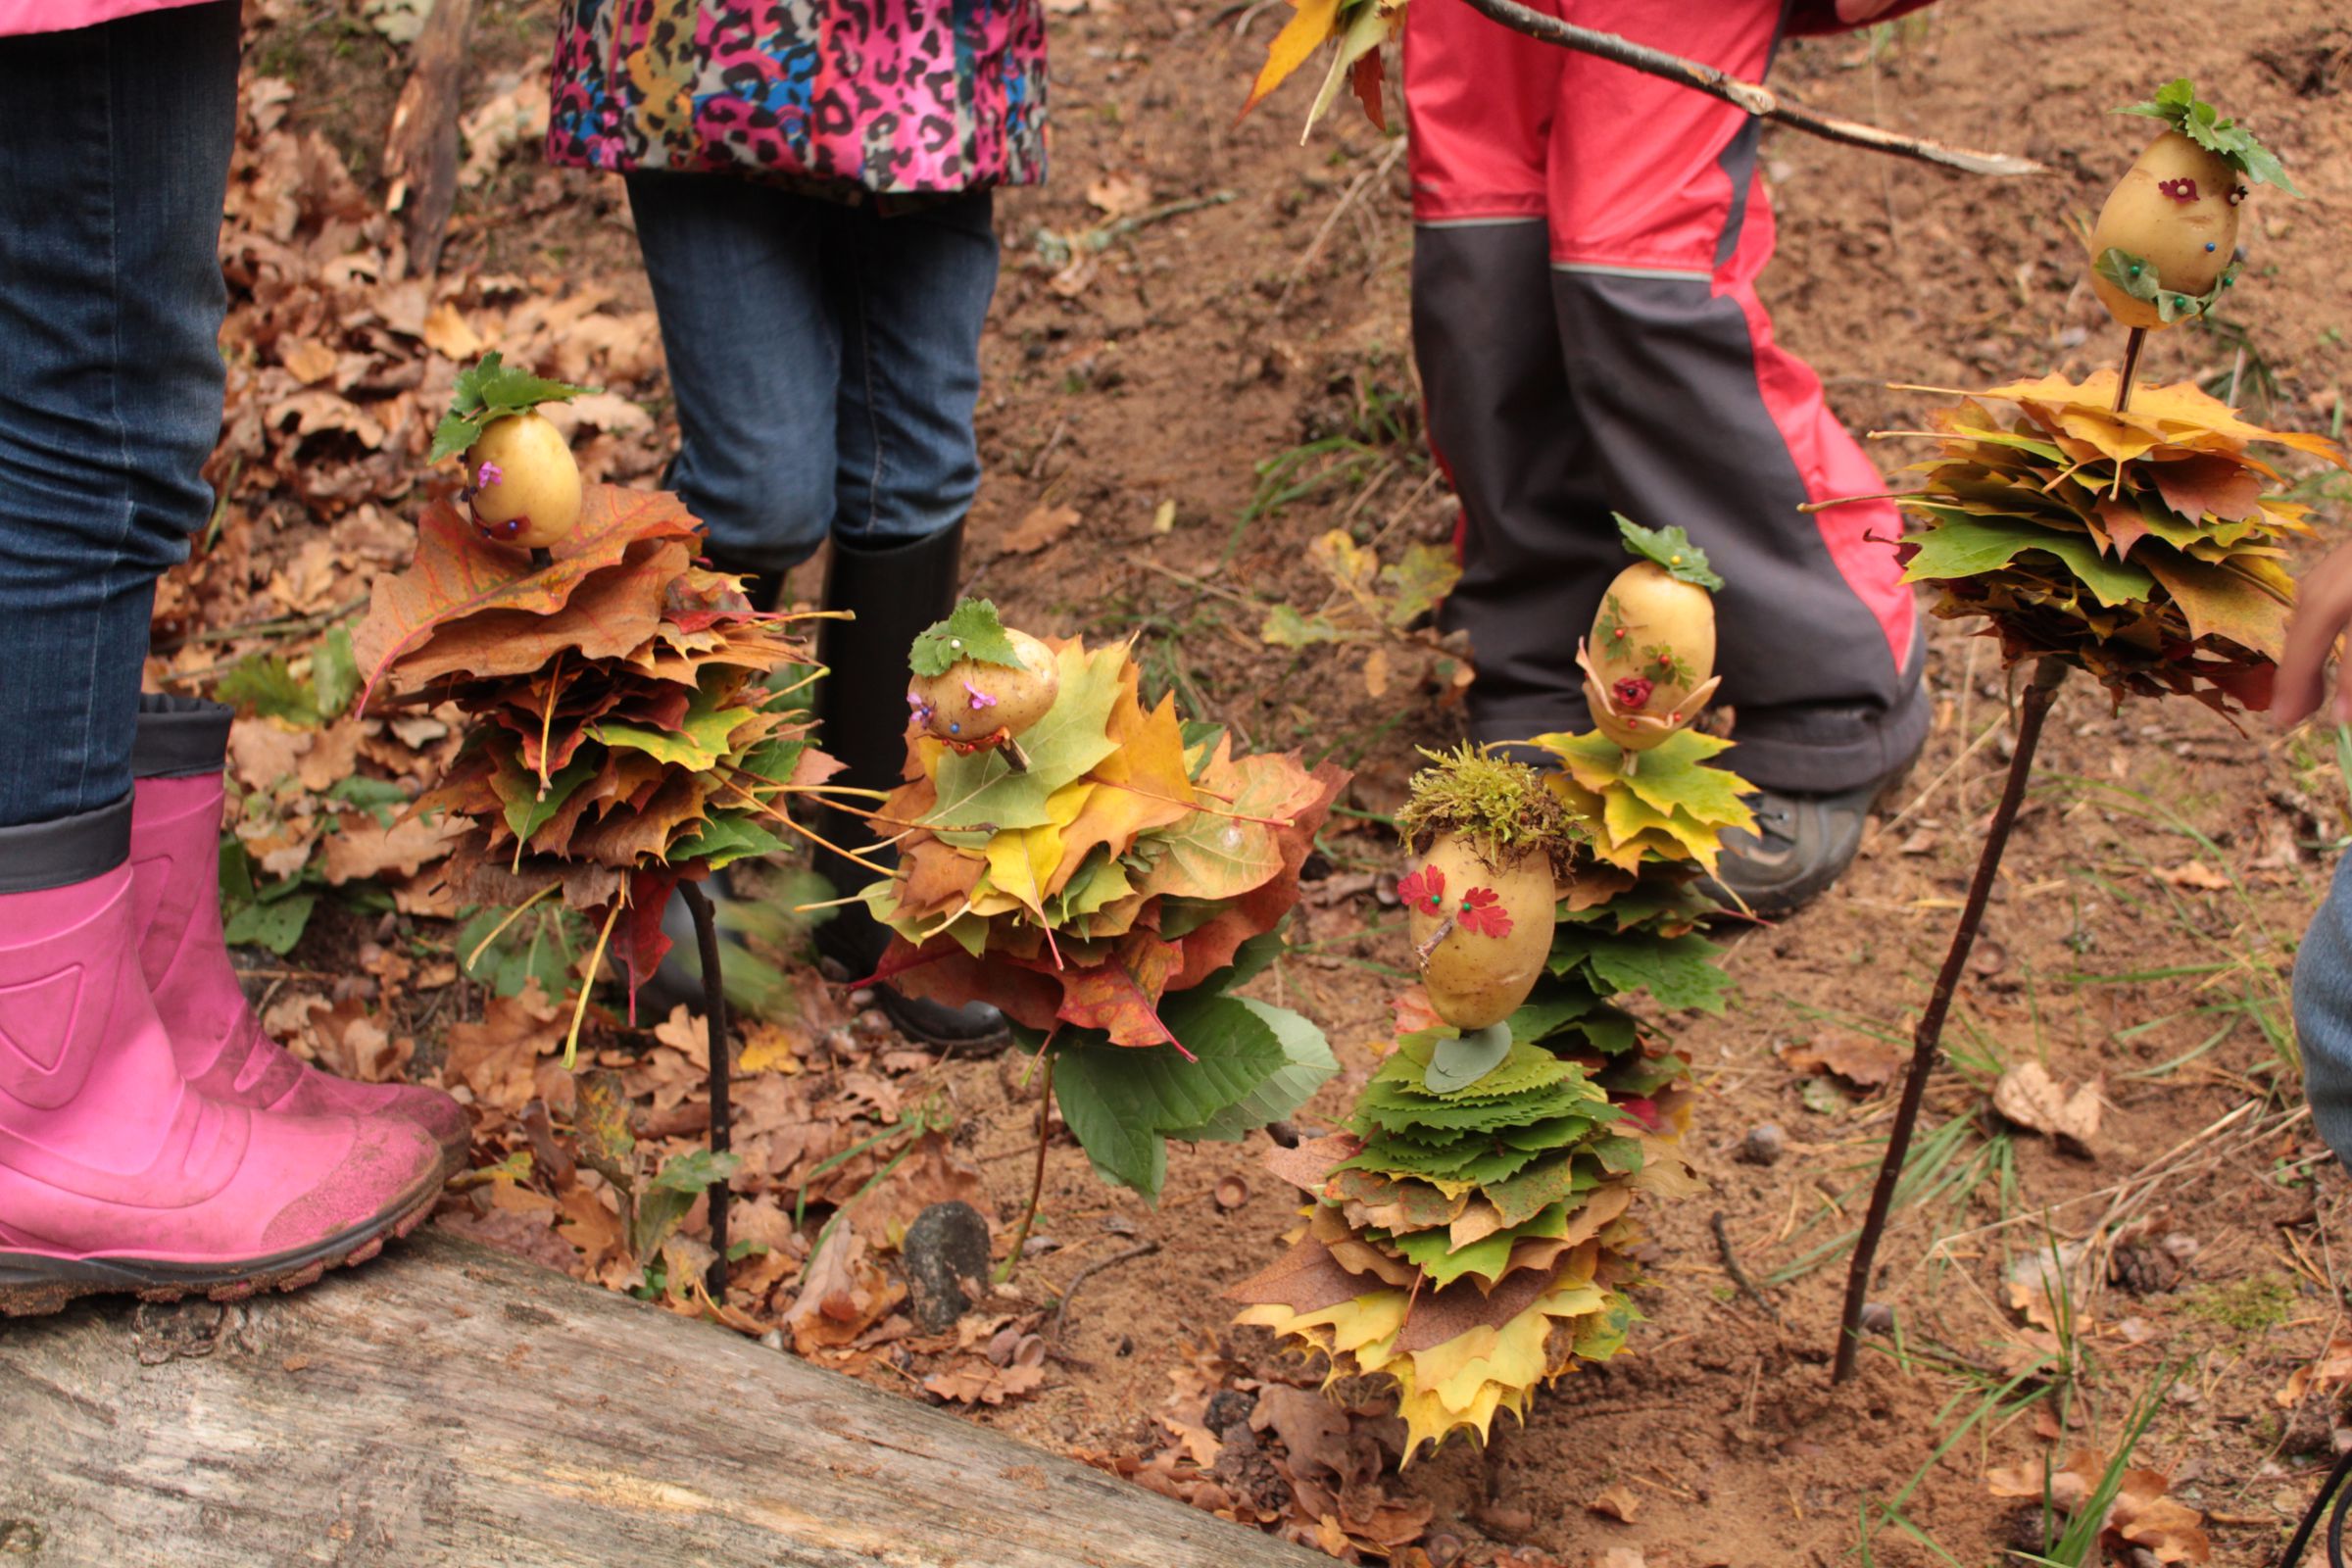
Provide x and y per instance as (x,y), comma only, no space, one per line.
(449,1405)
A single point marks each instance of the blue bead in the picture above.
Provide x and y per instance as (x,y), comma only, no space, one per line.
(2208,245)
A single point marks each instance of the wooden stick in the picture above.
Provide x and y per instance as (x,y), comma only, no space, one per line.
(722,1117)
(2131,347)
(1928,1042)
(1758,100)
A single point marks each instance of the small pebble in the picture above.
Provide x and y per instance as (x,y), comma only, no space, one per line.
(1764,1145)
(862,997)
(773,1339)
(1878,1318)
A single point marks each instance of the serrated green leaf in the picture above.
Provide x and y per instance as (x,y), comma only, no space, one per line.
(1306,1065)
(1670,548)
(1120,1102)
(1678,972)
(971,631)
(1486,1258)
(1961,546)
(490,391)
(2178,105)
(527,810)
(453,435)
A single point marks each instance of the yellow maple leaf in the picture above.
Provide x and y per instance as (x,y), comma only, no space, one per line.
(1310,27)
(1023,862)
(767,1047)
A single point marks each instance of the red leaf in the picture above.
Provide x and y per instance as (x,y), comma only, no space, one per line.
(1365,79)
(1121,997)
(471,606)
(1481,917)
(1425,888)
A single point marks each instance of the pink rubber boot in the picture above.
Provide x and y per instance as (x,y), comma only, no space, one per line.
(117,1175)
(175,863)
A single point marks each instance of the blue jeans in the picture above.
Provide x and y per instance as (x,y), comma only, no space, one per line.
(826,360)
(111,301)
(2324,1013)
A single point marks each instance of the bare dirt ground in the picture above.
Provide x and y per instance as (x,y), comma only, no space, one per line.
(1199,351)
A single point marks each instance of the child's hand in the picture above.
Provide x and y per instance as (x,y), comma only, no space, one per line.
(2323,613)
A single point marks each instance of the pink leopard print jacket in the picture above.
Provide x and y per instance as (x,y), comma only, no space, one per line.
(897,96)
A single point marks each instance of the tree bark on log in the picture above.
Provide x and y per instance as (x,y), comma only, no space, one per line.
(449,1405)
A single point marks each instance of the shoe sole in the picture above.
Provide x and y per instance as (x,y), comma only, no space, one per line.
(32,1285)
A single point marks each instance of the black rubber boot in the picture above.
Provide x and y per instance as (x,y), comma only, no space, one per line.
(895,592)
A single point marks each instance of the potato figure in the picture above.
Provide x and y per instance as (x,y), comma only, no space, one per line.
(521,476)
(1482,931)
(2166,242)
(1480,906)
(978,683)
(523,481)
(1649,663)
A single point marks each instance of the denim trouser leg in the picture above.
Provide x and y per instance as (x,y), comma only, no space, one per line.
(826,360)
(2324,1013)
(111,301)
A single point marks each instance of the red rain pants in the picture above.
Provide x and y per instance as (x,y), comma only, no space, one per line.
(1584,315)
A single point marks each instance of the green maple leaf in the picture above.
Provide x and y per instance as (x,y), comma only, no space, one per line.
(1963,546)
(1670,548)
(488,392)
(2178,105)
(982,793)
(1486,1258)
(971,631)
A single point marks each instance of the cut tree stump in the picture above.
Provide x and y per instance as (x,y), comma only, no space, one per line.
(449,1405)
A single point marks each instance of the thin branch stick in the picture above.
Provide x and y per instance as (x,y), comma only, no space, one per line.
(1928,1042)
(1037,1177)
(1758,100)
(2123,384)
(1062,1308)
(1355,188)
(720,1076)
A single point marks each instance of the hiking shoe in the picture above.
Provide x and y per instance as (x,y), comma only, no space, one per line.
(1800,846)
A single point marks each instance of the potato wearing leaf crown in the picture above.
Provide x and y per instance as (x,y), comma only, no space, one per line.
(1480,904)
(1649,663)
(2166,243)
(978,683)
(520,477)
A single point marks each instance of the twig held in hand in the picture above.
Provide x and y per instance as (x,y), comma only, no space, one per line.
(1758,100)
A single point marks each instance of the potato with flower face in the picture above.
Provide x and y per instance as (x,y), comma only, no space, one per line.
(1649,663)
(520,477)
(978,683)
(2165,240)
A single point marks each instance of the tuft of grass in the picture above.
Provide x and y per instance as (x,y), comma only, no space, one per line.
(1502,808)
